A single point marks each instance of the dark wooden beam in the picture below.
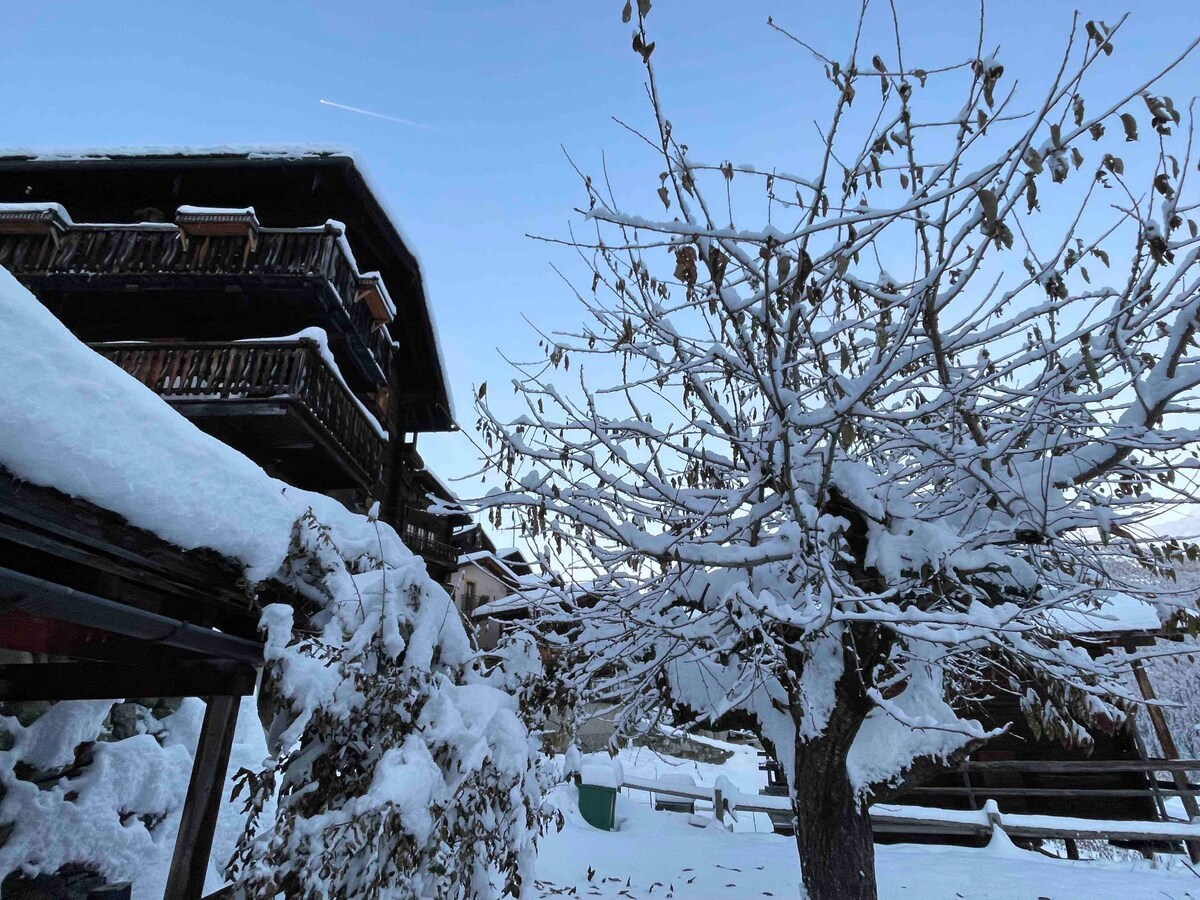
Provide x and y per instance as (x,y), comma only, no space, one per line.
(24,593)
(193,845)
(1082,766)
(102,681)
(46,533)
(1169,750)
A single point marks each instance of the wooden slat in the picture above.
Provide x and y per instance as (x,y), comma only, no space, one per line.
(65,527)
(249,370)
(149,256)
(1084,766)
(1077,793)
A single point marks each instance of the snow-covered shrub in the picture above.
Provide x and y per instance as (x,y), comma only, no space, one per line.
(391,736)
(402,768)
(94,786)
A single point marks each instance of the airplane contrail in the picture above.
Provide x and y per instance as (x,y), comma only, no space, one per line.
(367,112)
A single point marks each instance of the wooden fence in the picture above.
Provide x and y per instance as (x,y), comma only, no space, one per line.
(890,819)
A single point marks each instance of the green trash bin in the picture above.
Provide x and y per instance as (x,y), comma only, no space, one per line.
(598,796)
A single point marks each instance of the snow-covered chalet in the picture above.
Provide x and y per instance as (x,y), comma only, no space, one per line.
(267,297)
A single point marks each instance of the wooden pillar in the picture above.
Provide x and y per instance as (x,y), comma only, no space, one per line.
(193,845)
(1170,751)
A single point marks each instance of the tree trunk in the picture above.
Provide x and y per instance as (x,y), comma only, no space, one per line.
(833,828)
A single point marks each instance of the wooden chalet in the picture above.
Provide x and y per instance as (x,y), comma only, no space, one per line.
(488,583)
(191,270)
(205,275)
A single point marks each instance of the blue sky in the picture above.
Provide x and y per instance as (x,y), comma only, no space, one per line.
(500,87)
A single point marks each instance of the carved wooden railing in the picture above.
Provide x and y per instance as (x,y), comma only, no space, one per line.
(429,548)
(252,370)
(154,249)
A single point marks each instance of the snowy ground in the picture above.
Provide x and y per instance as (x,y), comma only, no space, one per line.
(659,855)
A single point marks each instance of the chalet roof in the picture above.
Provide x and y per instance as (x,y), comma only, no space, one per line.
(1118,614)
(501,568)
(80,425)
(441,488)
(535,593)
(286,186)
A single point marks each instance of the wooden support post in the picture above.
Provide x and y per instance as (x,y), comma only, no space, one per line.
(1169,750)
(971,798)
(189,865)
(719,805)
(1159,803)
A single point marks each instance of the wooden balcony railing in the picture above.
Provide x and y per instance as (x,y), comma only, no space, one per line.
(258,370)
(163,249)
(430,549)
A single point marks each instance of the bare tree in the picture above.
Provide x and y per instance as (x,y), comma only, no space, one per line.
(835,503)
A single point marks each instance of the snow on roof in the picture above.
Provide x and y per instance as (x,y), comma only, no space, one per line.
(436,479)
(56,208)
(215,210)
(250,151)
(75,422)
(511,603)
(532,595)
(503,567)
(1116,613)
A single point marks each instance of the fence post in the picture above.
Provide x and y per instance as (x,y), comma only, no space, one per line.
(1170,751)
(992,810)
(719,805)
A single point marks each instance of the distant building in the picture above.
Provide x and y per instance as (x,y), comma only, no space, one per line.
(489,581)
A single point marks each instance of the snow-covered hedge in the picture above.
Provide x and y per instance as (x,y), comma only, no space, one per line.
(401,769)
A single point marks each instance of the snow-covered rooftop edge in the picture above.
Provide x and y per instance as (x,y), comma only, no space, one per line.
(77,423)
(286,150)
(299,150)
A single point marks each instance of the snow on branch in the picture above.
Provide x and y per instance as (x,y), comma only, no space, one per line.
(830,432)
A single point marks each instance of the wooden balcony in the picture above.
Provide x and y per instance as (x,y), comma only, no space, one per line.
(433,551)
(85,260)
(279,402)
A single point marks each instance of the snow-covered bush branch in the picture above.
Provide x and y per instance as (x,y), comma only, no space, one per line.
(403,760)
(402,768)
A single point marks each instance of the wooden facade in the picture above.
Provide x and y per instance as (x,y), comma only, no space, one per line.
(430,534)
(203,282)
